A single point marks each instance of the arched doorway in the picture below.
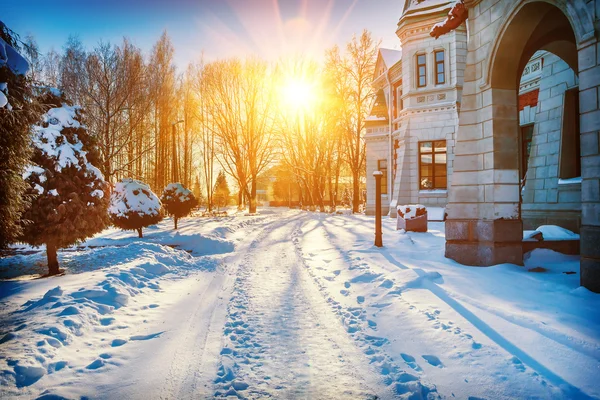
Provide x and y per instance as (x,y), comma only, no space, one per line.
(484,224)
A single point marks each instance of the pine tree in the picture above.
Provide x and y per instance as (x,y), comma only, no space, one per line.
(134,206)
(70,196)
(221,192)
(198,191)
(178,201)
(18,111)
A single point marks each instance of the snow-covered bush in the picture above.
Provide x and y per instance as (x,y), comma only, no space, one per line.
(18,111)
(178,201)
(69,194)
(134,206)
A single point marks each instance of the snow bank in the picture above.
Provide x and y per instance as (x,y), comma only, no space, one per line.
(48,326)
(550,232)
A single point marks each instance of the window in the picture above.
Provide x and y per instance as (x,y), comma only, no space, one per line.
(432,165)
(399,104)
(440,77)
(570,152)
(382,166)
(526,136)
(421,70)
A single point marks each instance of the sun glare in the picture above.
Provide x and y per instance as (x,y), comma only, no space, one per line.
(298,94)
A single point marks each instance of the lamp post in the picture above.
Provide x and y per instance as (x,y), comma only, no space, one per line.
(174,168)
(378,234)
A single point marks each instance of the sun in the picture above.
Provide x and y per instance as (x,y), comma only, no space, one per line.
(298,94)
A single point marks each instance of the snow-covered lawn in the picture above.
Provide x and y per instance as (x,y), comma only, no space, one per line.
(292,304)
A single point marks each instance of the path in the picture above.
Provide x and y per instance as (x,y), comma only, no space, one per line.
(282,340)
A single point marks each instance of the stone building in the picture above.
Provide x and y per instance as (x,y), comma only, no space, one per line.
(518,110)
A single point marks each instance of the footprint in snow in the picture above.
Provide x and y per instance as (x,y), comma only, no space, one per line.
(433,360)
(96,364)
(146,337)
(410,361)
(118,342)
(518,364)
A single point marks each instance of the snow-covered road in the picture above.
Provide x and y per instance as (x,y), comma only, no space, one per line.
(291,305)
(281,339)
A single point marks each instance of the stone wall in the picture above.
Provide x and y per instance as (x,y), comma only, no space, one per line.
(377,145)
(545,200)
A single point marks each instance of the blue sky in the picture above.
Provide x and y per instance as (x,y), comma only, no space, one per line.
(215,28)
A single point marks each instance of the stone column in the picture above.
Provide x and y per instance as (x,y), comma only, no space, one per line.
(589,94)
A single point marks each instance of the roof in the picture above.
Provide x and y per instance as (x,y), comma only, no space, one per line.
(390,57)
(423,7)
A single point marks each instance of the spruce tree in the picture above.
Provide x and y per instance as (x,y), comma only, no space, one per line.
(69,194)
(18,111)
(178,201)
(221,191)
(134,206)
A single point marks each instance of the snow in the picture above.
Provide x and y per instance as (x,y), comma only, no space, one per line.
(410,211)
(375,118)
(436,213)
(3,100)
(568,181)
(179,191)
(550,232)
(9,56)
(52,143)
(390,57)
(132,195)
(290,304)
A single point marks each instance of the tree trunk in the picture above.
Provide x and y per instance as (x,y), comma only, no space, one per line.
(355,189)
(52,259)
(140,234)
(252,208)
(175,219)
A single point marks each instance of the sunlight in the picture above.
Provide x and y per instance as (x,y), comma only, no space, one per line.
(298,94)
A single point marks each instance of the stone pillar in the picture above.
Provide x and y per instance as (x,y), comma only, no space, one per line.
(484,225)
(589,94)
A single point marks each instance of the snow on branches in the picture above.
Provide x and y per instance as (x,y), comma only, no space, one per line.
(178,201)
(134,206)
(68,191)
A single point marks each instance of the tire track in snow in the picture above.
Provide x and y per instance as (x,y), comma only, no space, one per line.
(281,341)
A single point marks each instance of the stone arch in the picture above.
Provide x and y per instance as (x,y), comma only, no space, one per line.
(484,224)
(575,12)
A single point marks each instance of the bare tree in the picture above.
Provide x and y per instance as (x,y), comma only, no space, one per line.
(352,74)
(239,99)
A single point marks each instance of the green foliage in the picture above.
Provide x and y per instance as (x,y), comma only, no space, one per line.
(69,195)
(221,191)
(15,150)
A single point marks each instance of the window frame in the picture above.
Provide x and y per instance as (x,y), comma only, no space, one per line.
(433,168)
(442,63)
(569,156)
(384,178)
(424,65)
(524,141)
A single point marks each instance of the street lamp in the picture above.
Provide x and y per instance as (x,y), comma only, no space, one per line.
(174,168)
(378,234)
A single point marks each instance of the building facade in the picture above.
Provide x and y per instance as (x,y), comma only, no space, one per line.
(497,119)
